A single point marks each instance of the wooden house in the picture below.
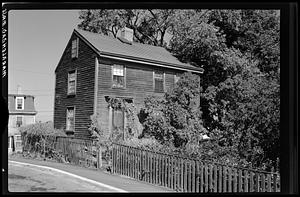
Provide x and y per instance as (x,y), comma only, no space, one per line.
(21,112)
(95,68)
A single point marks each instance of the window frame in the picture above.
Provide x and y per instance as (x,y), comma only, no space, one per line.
(72,93)
(112,76)
(22,120)
(73,56)
(163,80)
(23,102)
(68,107)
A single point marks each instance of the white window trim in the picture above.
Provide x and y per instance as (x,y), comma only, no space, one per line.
(68,93)
(112,76)
(67,118)
(17,103)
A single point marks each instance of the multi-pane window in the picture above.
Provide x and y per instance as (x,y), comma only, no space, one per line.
(158,81)
(70,119)
(72,82)
(19,121)
(118,76)
(74,48)
(19,103)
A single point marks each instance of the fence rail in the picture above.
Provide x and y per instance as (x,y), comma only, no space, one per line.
(188,175)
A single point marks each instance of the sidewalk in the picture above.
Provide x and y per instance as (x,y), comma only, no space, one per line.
(118,181)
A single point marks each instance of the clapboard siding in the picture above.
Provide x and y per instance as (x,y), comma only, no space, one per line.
(139,84)
(83,100)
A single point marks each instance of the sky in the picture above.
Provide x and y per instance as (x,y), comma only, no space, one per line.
(36,41)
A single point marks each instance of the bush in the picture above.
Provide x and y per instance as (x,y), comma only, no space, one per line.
(36,136)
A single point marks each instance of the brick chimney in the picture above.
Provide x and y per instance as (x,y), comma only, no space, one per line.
(127,33)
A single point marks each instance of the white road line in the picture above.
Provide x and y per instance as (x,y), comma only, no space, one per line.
(73,175)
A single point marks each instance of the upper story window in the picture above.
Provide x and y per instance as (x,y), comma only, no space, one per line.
(19,121)
(118,76)
(19,103)
(74,48)
(159,81)
(72,82)
(70,125)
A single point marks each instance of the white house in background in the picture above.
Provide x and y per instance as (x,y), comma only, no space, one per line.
(21,112)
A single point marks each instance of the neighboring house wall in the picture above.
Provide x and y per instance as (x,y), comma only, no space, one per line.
(26,120)
(84,97)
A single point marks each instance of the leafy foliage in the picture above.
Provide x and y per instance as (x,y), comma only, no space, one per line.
(40,137)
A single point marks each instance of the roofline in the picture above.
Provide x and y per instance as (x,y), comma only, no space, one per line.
(135,59)
(141,61)
(21,95)
(23,113)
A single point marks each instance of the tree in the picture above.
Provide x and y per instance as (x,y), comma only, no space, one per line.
(149,26)
(175,119)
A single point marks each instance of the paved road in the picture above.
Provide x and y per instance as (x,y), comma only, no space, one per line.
(26,175)
(30,178)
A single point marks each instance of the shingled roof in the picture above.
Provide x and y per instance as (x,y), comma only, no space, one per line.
(114,48)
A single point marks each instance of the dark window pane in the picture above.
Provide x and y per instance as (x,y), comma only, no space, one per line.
(118,81)
(159,86)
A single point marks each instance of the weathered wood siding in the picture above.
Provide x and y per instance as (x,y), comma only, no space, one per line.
(83,100)
(138,80)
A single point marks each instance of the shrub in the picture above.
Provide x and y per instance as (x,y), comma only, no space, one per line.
(36,136)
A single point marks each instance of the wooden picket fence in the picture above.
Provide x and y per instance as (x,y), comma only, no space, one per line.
(188,175)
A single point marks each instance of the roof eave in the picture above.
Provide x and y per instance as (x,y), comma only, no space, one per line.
(149,62)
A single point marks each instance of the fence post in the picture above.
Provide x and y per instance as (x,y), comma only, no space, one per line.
(224,179)
(263,183)
(99,157)
(240,181)
(215,178)
(257,182)
(220,179)
(246,181)
(201,177)
(229,179)
(211,177)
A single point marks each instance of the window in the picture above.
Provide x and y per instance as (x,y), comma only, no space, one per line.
(158,81)
(74,48)
(176,77)
(118,76)
(71,83)
(19,103)
(19,121)
(70,119)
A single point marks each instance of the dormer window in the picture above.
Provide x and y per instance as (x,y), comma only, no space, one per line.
(19,103)
(75,48)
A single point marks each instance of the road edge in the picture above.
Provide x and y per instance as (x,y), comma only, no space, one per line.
(73,175)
